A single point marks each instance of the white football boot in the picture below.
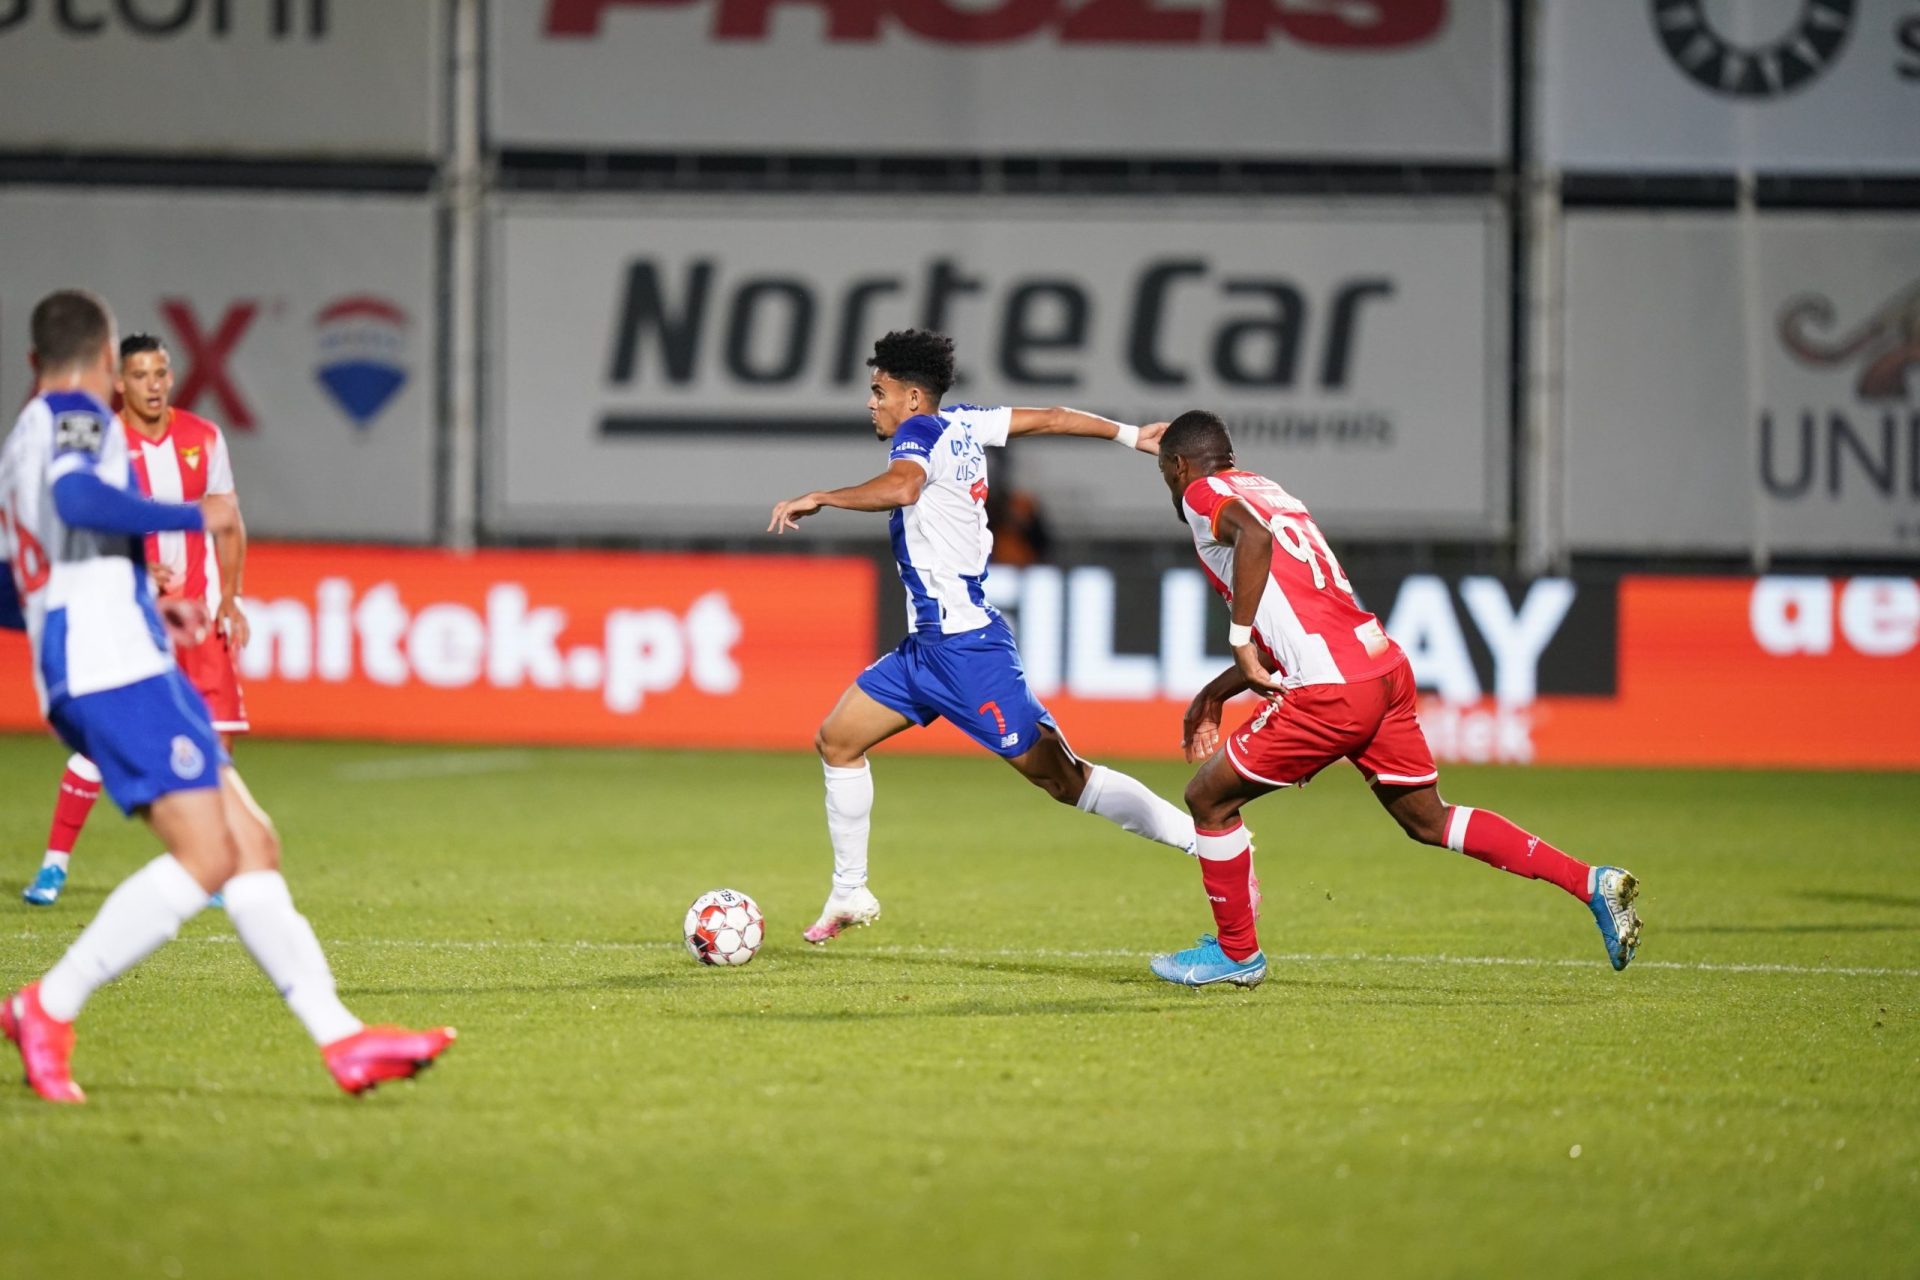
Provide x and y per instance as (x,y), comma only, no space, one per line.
(845,908)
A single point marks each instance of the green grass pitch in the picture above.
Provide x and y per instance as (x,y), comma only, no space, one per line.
(1441,1075)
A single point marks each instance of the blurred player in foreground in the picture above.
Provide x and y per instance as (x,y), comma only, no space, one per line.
(959,659)
(177,457)
(1337,687)
(74,580)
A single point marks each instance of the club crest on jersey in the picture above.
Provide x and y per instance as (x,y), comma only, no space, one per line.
(188,760)
(363,350)
(191,456)
(82,431)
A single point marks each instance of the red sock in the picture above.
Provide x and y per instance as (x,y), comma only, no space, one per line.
(1482,834)
(1226,865)
(78,791)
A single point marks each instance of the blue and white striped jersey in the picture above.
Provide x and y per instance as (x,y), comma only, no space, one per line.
(88,604)
(941,543)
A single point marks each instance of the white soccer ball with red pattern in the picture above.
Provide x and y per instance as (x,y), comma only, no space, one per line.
(724,927)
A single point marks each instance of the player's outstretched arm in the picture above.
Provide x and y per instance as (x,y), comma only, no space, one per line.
(1062,421)
(898,486)
(85,501)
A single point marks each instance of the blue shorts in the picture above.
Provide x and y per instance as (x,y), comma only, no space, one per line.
(149,738)
(973,678)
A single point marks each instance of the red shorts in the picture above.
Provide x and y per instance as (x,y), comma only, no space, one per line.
(1370,722)
(209,668)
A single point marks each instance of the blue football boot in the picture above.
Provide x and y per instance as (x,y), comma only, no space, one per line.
(46,887)
(1206,964)
(1614,890)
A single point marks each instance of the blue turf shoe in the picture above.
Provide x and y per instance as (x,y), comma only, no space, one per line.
(217,902)
(46,887)
(1614,890)
(1207,964)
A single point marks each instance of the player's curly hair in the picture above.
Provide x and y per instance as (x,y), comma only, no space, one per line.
(919,356)
(1200,437)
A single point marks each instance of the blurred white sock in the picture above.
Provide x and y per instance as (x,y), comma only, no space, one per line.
(1130,805)
(146,910)
(283,945)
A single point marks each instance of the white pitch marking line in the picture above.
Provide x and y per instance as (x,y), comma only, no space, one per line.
(1047,953)
(450,765)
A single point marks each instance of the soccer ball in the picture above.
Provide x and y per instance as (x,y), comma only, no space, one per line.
(724,927)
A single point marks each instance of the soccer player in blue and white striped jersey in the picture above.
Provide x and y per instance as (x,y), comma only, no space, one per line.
(958,660)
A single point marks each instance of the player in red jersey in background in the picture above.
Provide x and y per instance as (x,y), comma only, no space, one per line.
(177,457)
(1338,688)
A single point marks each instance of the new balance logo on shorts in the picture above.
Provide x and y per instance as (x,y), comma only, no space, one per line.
(1009,739)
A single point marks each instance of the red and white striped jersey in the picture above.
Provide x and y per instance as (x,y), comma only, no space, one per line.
(187,463)
(1308,623)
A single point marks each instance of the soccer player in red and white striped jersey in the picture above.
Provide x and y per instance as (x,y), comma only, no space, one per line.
(1338,688)
(176,456)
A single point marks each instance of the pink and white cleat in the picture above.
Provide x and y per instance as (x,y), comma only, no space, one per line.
(45,1042)
(374,1055)
(845,908)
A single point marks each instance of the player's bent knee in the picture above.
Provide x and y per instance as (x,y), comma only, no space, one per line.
(835,752)
(1208,809)
(1427,825)
(1065,790)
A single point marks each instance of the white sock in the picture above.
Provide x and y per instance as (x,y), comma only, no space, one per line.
(55,858)
(146,910)
(849,818)
(284,947)
(1128,804)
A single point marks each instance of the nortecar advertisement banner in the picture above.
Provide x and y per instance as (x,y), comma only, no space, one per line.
(675,366)
(310,78)
(304,326)
(752,651)
(1729,387)
(1380,80)
(1812,86)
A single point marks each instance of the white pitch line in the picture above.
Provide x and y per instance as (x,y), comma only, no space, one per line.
(450,765)
(1050,953)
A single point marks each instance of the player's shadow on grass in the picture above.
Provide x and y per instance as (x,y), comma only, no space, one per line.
(1372,992)
(1846,899)
(1793,928)
(319,1096)
(1117,970)
(1008,1006)
(624,981)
